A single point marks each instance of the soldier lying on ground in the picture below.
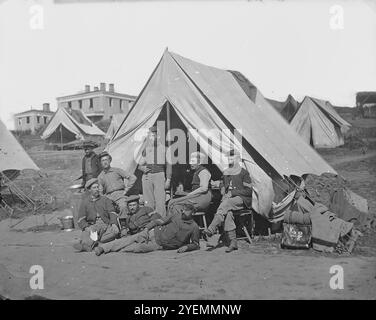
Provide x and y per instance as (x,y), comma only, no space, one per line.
(177,231)
(138,217)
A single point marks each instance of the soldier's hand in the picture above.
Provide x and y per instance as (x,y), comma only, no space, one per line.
(182,249)
(215,184)
(151,213)
(144,169)
(88,229)
(227,195)
(114,228)
(167,184)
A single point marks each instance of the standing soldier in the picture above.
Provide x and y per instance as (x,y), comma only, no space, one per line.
(90,164)
(115,182)
(153,165)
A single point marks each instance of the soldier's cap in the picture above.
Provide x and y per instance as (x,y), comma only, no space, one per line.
(88,146)
(153,129)
(104,154)
(133,198)
(232,152)
(90,183)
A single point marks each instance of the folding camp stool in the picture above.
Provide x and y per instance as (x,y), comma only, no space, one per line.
(201,214)
(241,216)
(119,224)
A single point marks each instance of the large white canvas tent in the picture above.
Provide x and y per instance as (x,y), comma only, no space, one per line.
(206,100)
(13,158)
(116,121)
(317,122)
(68,125)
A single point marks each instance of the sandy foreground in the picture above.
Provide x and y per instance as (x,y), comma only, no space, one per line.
(258,271)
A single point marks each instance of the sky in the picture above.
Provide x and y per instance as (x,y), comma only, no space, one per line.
(325,49)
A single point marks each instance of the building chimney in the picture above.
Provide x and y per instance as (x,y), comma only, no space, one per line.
(46,107)
(87,88)
(103,86)
(111,87)
(96,89)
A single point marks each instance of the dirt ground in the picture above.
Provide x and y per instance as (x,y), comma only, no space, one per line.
(258,271)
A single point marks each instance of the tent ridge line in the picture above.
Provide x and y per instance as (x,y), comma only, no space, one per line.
(211,104)
(137,99)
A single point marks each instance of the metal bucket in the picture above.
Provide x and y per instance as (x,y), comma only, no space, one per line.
(75,200)
(67,223)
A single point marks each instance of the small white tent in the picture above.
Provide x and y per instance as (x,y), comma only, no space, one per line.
(116,121)
(317,122)
(13,157)
(69,125)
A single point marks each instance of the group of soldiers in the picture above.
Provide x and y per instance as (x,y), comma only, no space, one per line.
(112,218)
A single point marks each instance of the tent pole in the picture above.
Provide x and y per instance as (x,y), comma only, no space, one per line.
(168,109)
(61,138)
(168,106)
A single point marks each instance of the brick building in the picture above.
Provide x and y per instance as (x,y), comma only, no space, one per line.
(33,119)
(99,103)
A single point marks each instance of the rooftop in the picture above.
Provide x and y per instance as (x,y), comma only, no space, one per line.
(98,90)
(34,111)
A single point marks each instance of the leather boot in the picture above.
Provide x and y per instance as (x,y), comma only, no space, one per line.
(98,250)
(217,221)
(233,242)
(82,247)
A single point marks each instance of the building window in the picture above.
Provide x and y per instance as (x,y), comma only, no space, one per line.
(110,102)
(45,120)
(27,119)
(19,122)
(91,103)
(80,104)
(38,119)
(69,104)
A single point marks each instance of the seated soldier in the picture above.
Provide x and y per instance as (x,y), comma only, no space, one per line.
(200,196)
(179,231)
(96,218)
(237,194)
